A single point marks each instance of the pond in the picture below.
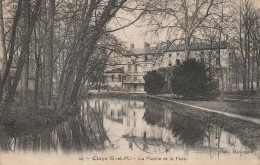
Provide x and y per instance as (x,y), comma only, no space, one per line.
(132,126)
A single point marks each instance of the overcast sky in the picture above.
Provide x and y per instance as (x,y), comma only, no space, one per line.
(135,34)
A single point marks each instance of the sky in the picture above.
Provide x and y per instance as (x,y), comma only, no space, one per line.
(136,34)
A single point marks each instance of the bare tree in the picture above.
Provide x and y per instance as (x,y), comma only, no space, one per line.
(33,16)
(184,16)
(241,37)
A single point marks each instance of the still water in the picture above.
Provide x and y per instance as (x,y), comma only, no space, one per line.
(131,126)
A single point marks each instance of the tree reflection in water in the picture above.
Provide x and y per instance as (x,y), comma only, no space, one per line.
(83,132)
(151,126)
(186,130)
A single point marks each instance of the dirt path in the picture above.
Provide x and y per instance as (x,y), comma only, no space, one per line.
(245,118)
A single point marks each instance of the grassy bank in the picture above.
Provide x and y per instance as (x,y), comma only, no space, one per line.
(242,107)
(27,120)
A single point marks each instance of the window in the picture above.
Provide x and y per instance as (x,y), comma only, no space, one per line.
(202,52)
(202,60)
(178,62)
(231,57)
(170,55)
(129,68)
(178,54)
(119,77)
(135,78)
(112,77)
(145,58)
(170,64)
(218,60)
(135,68)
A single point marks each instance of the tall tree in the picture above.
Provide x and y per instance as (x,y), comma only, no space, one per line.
(48,52)
(32,18)
(184,16)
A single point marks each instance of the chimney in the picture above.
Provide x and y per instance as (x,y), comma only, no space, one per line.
(146,45)
(132,46)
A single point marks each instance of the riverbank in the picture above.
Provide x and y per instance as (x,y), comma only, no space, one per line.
(244,107)
(27,120)
(248,132)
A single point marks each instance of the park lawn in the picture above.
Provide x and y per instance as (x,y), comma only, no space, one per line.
(241,107)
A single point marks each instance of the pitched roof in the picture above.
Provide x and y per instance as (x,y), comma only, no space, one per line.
(197,46)
(142,51)
(116,70)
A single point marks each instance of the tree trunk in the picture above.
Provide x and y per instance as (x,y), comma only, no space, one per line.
(2,32)
(187,47)
(25,46)
(248,62)
(252,75)
(49,63)
(12,51)
(25,71)
(244,77)
(37,71)
(257,70)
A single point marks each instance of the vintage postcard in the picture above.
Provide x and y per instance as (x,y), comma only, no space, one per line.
(129,82)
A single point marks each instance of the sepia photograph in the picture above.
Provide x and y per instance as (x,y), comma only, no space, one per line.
(129,82)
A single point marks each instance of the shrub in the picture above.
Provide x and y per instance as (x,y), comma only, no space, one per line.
(154,82)
(191,79)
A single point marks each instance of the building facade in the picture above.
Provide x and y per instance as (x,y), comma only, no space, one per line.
(138,61)
(114,79)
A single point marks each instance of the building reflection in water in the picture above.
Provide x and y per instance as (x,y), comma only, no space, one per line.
(127,125)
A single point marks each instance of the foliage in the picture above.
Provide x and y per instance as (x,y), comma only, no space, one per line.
(191,80)
(154,82)
(167,73)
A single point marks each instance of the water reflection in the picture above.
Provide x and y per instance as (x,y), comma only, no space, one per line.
(125,126)
(80,133)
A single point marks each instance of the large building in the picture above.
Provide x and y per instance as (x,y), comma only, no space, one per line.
(138,61)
